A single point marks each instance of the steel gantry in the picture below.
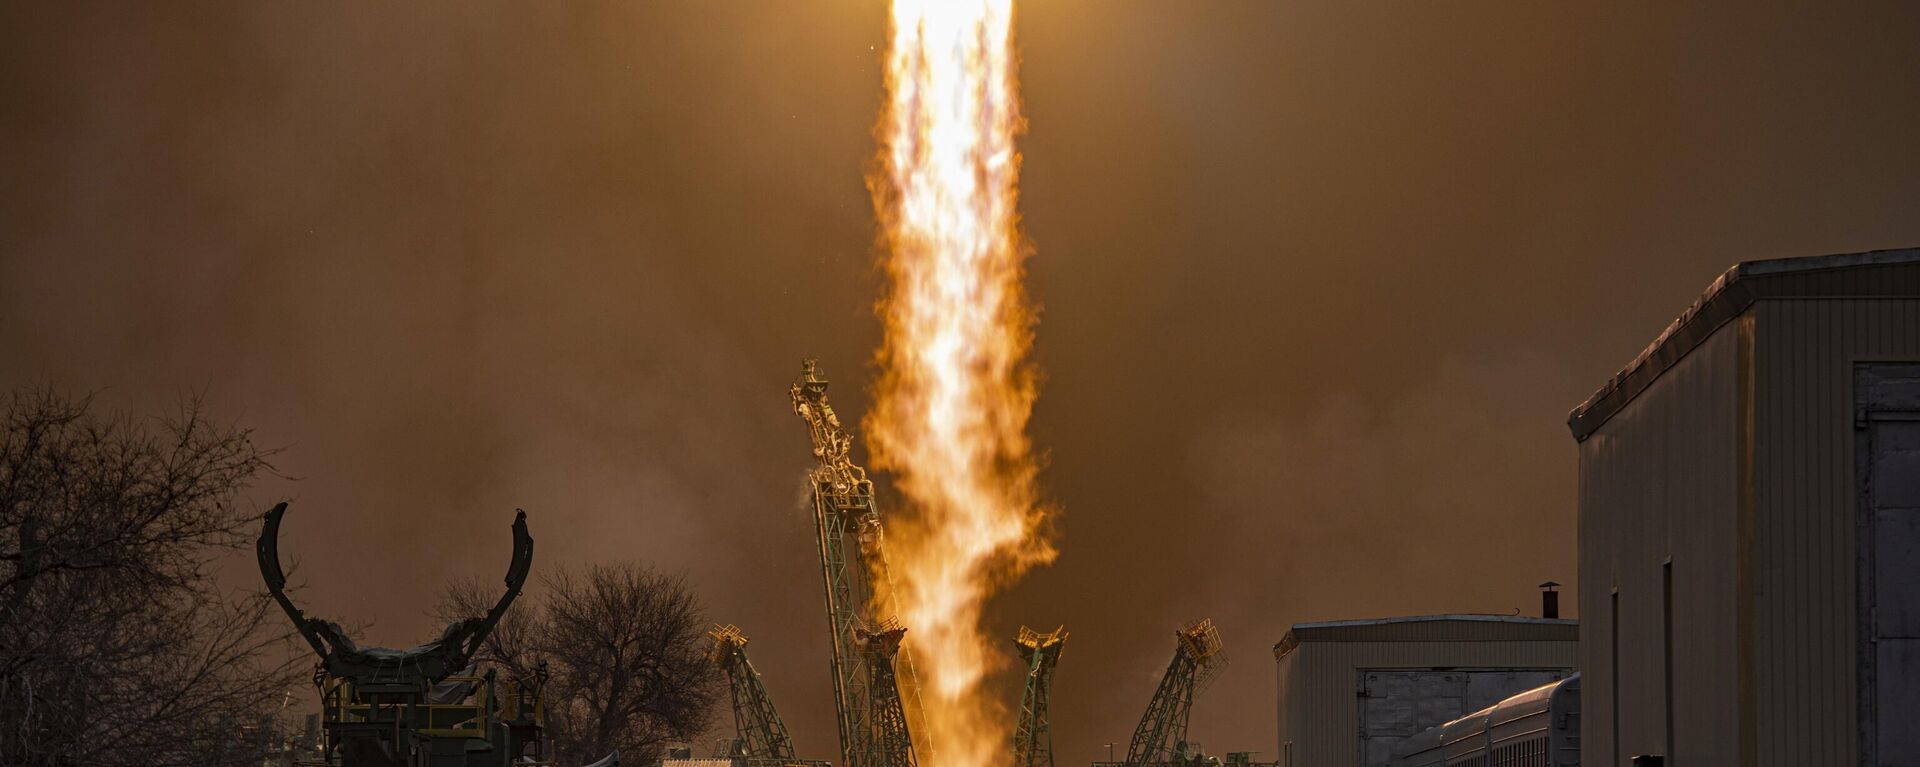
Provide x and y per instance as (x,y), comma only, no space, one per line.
(1161,737)
(875,693)
(1033,734)
(892,741)
(759,732)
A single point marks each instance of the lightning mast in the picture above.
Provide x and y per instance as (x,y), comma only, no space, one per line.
(1161,737)
(867,686)
(1033,735)
(761,733)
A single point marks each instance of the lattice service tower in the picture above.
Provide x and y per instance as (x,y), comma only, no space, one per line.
(1033,734)
(1161,737)
(760,733)
(874,689)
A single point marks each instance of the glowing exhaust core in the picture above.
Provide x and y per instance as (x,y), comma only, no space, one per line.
(954,394)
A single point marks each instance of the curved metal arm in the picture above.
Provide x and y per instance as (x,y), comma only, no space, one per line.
(463,638)
(268,551)
(516,577)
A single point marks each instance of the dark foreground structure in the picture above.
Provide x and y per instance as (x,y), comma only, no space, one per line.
(422,706)
(1749,521)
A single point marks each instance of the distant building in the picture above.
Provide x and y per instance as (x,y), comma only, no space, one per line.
(1749,523)
(1351,692)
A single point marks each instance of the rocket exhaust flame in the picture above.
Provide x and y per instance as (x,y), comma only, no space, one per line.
(955,390)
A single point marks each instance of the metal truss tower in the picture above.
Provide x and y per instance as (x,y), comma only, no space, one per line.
(1033,735)
(1161,737)
(875,726)
(892,744)
(761,733)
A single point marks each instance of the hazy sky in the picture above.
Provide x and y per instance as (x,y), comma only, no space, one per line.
(1320,282)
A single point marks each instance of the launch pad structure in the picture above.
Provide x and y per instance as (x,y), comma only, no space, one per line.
(875,692)
(1033,733)
(876,695)
(422,706)
(761,732)
(1161,737)
(761,738)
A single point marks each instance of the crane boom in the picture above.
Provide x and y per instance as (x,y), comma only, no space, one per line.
(877,707)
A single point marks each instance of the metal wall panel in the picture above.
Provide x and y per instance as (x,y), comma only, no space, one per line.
(1805,631)
(1319,720)
(1283,681)
(1396,704)
(1887,423)
(1764,611)
(1658,489)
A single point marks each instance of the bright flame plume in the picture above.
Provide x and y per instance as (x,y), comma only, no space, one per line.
(955,390)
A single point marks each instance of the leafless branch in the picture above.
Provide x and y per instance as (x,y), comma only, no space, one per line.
(625,647)
(116,647)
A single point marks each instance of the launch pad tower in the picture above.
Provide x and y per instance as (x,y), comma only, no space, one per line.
(1161,737)
(1033,734)
(870,676)
(761,735)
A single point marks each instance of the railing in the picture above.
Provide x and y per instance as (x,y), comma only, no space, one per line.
(442,720)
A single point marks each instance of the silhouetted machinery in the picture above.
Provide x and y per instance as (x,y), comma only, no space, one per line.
(422,706)
(1161,737)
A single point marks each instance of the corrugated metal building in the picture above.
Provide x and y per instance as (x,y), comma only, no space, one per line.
(1728,478)
(1351,691)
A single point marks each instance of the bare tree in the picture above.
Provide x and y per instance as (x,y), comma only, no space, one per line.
(514,645)
(624,647)
(116,645)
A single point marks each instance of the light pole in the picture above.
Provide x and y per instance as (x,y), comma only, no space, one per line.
(1109,753)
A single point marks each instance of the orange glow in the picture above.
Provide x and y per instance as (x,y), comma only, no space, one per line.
(955,392)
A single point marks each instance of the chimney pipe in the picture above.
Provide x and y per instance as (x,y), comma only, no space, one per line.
(1549,600)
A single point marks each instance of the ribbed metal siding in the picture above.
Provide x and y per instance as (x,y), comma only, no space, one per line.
(1282,685)
(1804,515)
(1317,707)
(1659,480)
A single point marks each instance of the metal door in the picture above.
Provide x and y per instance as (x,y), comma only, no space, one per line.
(1888,422)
